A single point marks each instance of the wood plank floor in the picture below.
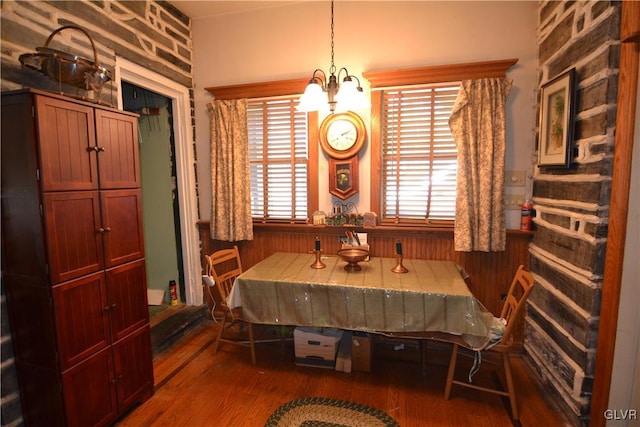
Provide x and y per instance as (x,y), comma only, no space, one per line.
(194,387)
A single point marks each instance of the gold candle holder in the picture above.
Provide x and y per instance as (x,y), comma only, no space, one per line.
(399,268)
(318,263)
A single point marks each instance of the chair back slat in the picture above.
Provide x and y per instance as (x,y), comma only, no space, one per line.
(514,304)
(224,266)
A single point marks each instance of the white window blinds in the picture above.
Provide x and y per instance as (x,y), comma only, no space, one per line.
(419,155)
(278,159)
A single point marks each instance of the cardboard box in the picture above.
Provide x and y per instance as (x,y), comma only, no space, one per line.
(343,359)
(361,353)
(391,348)
(316,346)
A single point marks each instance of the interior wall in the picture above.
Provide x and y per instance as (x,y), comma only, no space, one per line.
(572,204)
(157,201)
(293,40)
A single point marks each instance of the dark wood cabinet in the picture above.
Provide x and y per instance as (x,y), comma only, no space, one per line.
(73,259)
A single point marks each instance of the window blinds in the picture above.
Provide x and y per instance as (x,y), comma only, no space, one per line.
(278,159)
(419,155)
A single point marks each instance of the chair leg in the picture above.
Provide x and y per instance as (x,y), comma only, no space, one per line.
(510,389)
(252,343)
(220,331)
(452,369)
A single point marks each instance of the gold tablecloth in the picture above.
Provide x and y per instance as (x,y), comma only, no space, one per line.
(284,290)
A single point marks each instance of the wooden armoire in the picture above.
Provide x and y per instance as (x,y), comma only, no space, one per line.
(73,263)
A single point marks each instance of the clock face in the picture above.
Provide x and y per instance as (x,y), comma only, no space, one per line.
(341,135)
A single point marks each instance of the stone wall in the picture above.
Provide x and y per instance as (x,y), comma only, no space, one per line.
(572,204)
(152,34)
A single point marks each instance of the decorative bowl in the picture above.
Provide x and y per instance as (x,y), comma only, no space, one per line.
(68,68)
(353,256)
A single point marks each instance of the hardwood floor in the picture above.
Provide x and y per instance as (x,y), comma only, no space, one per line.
(194,387)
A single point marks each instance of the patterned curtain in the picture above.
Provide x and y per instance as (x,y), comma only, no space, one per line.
(478,126)
(230,185)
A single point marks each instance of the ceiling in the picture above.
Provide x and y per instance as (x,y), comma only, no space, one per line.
(199,9)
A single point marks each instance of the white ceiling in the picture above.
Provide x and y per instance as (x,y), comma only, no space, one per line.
(199,9)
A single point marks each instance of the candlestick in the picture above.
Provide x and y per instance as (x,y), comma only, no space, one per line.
(317,243)
(399,268)
(318,263)
(398,247)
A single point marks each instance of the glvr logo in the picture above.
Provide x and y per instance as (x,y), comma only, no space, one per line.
(620,414)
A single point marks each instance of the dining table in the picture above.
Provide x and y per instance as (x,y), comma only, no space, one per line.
(431,297)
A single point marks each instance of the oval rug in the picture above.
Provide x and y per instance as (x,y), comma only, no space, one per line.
(325,412)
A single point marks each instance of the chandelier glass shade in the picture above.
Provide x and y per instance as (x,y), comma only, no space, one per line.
(321,91)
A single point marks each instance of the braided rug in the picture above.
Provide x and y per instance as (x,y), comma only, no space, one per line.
(325,412)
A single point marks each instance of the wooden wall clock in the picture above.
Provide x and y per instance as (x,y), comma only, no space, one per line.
(342,136)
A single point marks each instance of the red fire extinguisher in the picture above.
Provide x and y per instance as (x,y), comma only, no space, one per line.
(173,292)
(526,215)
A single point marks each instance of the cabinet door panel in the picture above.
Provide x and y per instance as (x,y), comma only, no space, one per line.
(67,140)
(90,394)
(127,292)
(122,216)
(134,369)
(82,321)
(117,137)
(73,227)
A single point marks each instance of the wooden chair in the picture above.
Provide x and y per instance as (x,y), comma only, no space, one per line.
(224,266)
(513,308)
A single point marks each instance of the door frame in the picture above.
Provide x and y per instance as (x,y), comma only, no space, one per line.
(130,72)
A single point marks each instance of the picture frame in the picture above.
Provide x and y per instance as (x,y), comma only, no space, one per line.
(557,108)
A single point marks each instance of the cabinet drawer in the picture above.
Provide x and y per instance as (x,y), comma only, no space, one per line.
(117,138)
(69,125)
(127,294)
(82,323)
(73,226)
(90,391)
(134,371)
(122,216)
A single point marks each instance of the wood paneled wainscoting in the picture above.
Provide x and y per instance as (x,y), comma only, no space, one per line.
(490,273)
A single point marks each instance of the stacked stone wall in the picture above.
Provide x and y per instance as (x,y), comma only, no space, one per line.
(152,34)
(572,204)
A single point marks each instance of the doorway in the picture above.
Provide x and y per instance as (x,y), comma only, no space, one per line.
(181,120)
(160,208)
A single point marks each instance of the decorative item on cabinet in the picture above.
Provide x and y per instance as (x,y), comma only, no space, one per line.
(69,68)
(370,219)
(344,214)
(73,259)
(319,218)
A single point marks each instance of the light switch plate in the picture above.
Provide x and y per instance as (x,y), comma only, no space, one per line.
(513,201)
(515,178)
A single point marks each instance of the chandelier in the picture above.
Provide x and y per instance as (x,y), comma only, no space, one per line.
(342,97)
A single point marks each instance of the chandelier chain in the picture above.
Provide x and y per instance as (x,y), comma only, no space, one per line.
(332,70)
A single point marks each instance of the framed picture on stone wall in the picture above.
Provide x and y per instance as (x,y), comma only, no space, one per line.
(556,121)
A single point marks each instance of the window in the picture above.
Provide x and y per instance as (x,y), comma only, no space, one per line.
(419,155)
(413,156)
(279,159)
(279,151)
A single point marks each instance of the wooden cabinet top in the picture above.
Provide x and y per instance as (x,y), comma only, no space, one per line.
(64,98)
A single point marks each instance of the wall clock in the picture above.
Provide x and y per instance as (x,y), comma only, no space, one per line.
(342,135)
